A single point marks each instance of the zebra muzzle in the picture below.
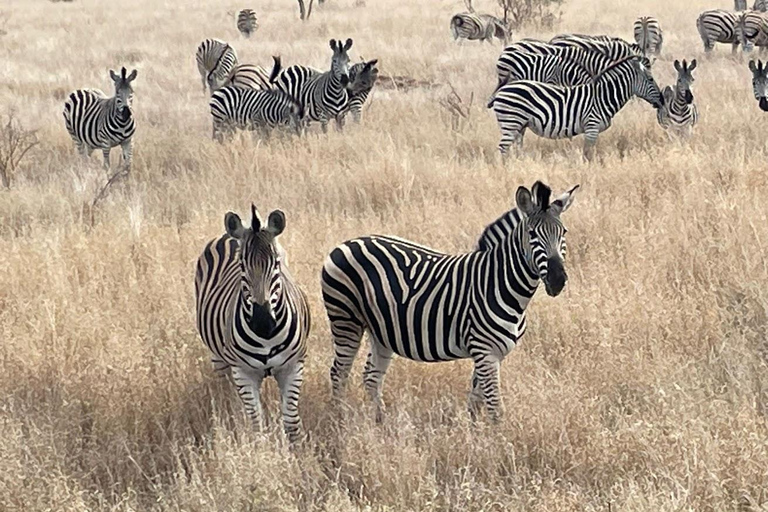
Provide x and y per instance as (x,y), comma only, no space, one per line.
(688,97)
(764,104)
(261,321)
(556,277)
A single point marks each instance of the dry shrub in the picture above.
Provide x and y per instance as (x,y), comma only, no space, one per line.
(539,14)
(15,143)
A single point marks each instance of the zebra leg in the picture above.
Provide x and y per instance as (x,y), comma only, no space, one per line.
(379,359)
(248,384)
(289,380)
(220,367)
(487,372)
(475,402)
(590,141)
(346,334)
(105,152)
(127,147)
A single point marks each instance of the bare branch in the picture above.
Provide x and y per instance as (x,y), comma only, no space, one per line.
(15,143)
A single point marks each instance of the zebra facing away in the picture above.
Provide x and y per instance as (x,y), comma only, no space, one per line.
(428,306)
(679,112)
(362,78)
(97,122)
(252,316)
(215,61)
(246,22)
(718,26)
(250,76)
(250,109)
(323,96)
(556,112)
(752,30)
(648,35)
(478,27)
(760,83)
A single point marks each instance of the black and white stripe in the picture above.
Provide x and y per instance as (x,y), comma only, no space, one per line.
(760,5)
(252,316)
(215,61)
(323,96)
(718,26)
(246,22)
(477,27)
(614,48)
(752,30)
(556,112)
(648,35)
(679,112)
(250,76)
(362,78)
(760,83)
(428,306)
(97,122)
(250,109)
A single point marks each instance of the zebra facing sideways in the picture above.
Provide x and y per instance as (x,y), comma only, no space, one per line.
(613,47)
(428,306)
(362,78)
(679,112)
(718,26)
(246,22)
(556,112)
(252,316)
(215,61)
(648,35)
(477,27)
(97,122)
(760,83)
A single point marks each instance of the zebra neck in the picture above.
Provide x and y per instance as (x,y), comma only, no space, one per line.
(511,275)
(612,92)
(122,118)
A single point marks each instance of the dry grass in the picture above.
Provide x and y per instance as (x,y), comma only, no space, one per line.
(644,387)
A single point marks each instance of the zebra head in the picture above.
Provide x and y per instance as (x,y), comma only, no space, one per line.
(260,258)
(543,234)
(340,60)
(760,83)
(685,79)
(644,85)
(362,76)
(123,90)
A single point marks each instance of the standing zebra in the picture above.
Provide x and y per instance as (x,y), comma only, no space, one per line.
(246,22)
(362,78)
(760,83)
(428,306)
(251,315)
(250,109)
(752,30)
(323,96)
(555,112)
(648,35)
(97,122)
(215,61)
(760,5)
(613,47)
(718,26)
(679,111)
(477,27)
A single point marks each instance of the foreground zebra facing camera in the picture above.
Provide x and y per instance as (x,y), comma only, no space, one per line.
(252,316)
(428,306)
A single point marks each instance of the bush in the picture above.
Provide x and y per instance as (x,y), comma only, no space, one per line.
(534,13)
(15,143)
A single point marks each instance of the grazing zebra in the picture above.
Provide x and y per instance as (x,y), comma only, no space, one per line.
(477,27)
(555,112)
(718,26)
(752,30)
(428,306)
(760,83)
(679,111)
(215,61)
(648,35)
(250,76)
(362,78)
(97,122)
(251,315)
(323,96)
(250,109)
(246,22)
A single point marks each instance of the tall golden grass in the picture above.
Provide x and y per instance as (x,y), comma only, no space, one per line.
(643,387)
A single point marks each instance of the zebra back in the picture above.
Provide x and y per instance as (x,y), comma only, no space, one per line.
(717,25)
(250,76)
(215,61)
(246,22)
(236,107)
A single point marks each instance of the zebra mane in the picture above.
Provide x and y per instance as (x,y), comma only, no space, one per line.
(613,66)
(498,230)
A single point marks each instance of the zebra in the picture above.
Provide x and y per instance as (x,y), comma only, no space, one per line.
(97,122)
(760,83)
(362,78)
(648,35)
(246,22)
(251,314)
(322,95)
(613,47)
(718,26)
(215,61)
(236,107)
(679,111)
(428,306)
(760,5)
(250,76)
(752,30)
(478,27)
(555,112)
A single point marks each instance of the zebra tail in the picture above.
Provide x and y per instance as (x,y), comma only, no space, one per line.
(275,70)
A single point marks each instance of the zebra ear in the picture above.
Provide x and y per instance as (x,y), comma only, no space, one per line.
(677,66)
(276,222)
(541,194)
(132,76)
(371,63)
(563,202)
(692,66)
(524,201)
(333,44)
(115,77)
(347,45)
(752,67)
(233,225)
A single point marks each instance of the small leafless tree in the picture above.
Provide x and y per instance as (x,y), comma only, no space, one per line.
(15,143)
(537,13)
(460,110)
(304,11)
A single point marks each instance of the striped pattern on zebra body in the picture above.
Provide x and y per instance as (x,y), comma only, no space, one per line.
(718,26)
(362,78)
(215,61)
(752,30)
(478,27)
(252,316)
(97,122)
(246,22)
(613,47)
(648,35)
(679,112)
(554,112)
(428,306)
(250,109)
(322,95)
(250,76)
(760,83)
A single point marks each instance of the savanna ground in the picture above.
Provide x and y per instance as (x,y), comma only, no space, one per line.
(643,387)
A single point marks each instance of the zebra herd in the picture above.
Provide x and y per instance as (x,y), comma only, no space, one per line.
(742,26)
